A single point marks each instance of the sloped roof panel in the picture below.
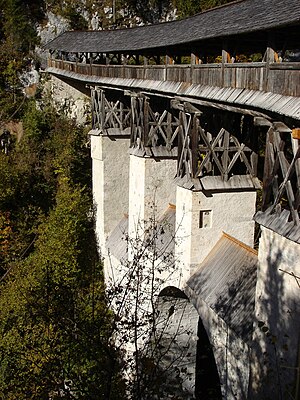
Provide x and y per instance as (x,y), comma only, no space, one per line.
(226,281)
(244,16)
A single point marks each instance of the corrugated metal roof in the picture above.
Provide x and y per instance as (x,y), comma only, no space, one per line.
(226,281)
(279,223)
(240,17)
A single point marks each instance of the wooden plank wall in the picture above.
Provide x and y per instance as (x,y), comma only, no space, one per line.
(281,78)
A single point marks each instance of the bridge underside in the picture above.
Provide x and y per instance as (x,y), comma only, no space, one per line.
(253,102)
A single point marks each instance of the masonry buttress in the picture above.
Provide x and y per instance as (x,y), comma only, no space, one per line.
(110,164)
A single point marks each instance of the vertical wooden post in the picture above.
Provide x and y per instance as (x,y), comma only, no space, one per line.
(180,144)
(124,63)
(102,109)
(295,145)
(169,132)
(93,107)
(168,60)
(194,144)
(145,66)
(269,57)
(146,122)
(193,58)
(194,61)
(62,60)
(91,63)
(225,59)
(225,156)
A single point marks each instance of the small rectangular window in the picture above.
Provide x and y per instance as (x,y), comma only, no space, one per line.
(205,219)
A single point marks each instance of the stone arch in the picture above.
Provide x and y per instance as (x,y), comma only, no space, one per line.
(185,346)
(207,381)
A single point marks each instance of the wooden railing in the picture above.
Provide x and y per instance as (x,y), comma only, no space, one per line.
(282,78)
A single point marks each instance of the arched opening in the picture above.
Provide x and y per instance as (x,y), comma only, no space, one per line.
(172,291)
(207,382)
(180,349)
(171,352)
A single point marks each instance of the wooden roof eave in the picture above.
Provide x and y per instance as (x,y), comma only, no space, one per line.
(238,18)
(245,42)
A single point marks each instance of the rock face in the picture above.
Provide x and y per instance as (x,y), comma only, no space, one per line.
(55,25)
(69,100)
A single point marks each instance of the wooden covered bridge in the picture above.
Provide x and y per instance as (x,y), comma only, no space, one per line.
(208,109)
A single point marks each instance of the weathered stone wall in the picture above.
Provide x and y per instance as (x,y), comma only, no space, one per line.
(151,189)
(110,183)
(277,328)
(231,212)
(69,100)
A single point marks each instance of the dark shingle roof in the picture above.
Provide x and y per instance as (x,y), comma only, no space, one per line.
(226,281)
(246,16)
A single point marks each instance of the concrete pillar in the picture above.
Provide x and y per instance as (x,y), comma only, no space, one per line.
(110,169)
(201,218)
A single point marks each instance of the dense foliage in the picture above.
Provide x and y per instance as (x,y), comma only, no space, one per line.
(126,11)
(54,322)
(187,8)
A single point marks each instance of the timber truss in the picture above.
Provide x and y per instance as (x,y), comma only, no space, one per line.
(175,131)
(209,159)
(212,158)
(281,182)
(111,117)
(152,133)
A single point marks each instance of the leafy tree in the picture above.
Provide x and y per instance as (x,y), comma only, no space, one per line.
(18,38)
(28,174)
(54,319)
(188,8)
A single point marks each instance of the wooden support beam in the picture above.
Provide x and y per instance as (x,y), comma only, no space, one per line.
(169,60)
(226,107)
(194,144)
(281,127)
(225,57)
(194,59)
(260,121)
(184,106)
